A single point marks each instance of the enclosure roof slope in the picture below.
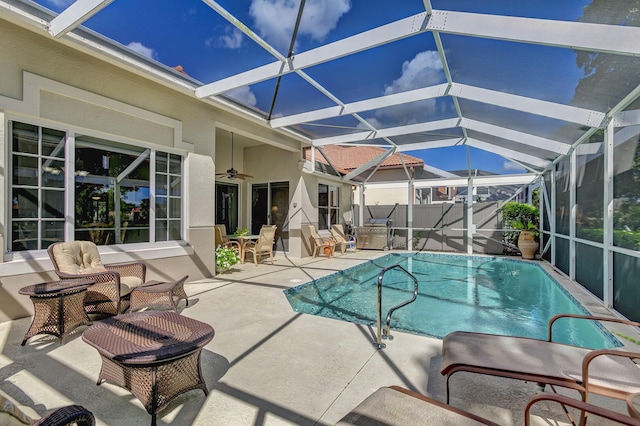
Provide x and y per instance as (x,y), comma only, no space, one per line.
(526,81)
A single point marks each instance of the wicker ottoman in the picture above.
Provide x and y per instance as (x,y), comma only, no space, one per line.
(154,355)
(159,294)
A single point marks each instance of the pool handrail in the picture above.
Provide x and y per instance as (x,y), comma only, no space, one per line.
(386,334)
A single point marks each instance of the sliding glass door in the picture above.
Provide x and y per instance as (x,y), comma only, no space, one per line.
(270,206)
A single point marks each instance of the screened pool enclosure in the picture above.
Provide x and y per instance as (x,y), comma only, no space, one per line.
(541,94)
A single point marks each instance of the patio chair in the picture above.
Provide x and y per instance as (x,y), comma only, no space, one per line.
(321,245)
(14,414)
(341,239)
(114,283)
(608,372)
(221,238)
(263,245)
(397,406)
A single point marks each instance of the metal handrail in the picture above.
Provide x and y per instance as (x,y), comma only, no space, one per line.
(386,334)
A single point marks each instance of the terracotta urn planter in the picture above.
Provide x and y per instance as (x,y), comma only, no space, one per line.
(528,245)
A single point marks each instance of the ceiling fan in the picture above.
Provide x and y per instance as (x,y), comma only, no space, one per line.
(233,173)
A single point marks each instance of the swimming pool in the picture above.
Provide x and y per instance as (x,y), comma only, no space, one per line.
(470,293)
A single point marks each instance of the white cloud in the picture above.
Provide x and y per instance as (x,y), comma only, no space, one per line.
(424,70)
(275,19)
(61,3)
(138,47)
(510,165)
(232,39)
(244,95)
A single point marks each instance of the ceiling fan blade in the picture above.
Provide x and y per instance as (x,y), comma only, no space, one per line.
(233,173)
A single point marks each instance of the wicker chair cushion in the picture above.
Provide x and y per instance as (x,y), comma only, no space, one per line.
(78,257)
(11,414)
(128,283)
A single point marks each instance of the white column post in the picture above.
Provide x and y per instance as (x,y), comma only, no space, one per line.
(552,219)
(411,199)
(607,253)
(573,208)
(361,209)
(469,225)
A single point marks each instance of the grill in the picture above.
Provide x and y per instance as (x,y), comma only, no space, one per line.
(375,235)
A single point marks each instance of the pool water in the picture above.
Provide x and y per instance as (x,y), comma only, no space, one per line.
(470,293)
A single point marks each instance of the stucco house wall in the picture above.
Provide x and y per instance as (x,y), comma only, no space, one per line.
(47,83)
(284,166)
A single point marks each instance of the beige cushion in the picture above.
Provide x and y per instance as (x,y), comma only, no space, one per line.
(78,257)
(127,284)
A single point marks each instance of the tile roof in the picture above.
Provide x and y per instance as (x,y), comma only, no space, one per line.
(347,158)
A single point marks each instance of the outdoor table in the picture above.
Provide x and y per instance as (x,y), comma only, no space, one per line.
(58,307)
(154,355)
(243,240)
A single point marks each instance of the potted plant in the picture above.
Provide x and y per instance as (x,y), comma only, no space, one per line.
(241,232)
(524,219)
(226,257)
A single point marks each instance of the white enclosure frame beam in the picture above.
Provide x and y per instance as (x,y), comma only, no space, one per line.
(366,40)
(508,153)
(574,35)
(478,181)
(444,143)
(74,15)
(284,61)
(627,118)
(389,132)
(617,39)
(539,107)
(554,110)
(515,136)
(364,105)
(374,161)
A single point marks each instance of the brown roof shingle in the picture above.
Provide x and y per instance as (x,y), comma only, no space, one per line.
(347,158)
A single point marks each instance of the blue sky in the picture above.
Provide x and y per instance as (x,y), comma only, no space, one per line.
(191,34)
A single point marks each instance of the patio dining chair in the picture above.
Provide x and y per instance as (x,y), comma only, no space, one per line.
(114,283)
(609,372)
(320,244)
(263,245)
(221,238)
(341,239)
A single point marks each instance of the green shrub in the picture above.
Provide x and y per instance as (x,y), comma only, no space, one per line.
(226,257)
(519,216)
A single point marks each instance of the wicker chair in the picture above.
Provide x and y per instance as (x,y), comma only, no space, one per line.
(14,414)
(264,244)
(114,283)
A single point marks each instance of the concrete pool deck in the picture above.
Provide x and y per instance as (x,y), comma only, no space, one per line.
(267,365)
